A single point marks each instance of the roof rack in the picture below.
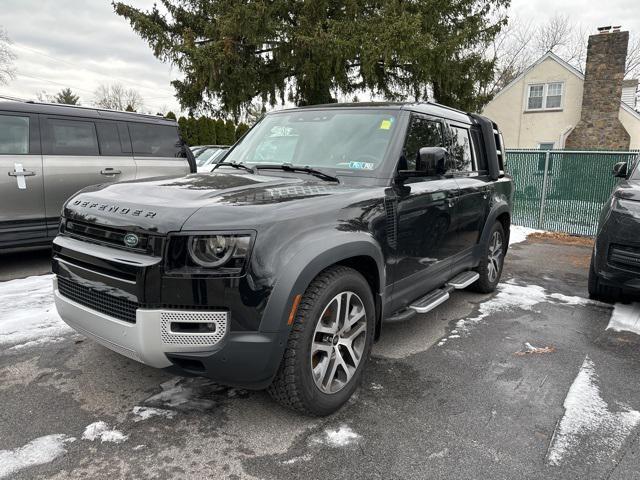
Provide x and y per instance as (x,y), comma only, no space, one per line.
(98,109)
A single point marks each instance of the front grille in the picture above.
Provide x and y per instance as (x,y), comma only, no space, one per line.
(103,302)
(100,233)
(626,257)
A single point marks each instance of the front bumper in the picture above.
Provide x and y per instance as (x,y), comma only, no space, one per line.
(243,359)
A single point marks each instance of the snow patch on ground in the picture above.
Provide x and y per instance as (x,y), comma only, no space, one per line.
(511,297)
(625,318)
(145,413)
(587,416)
(518,234)
(440,454)
(28,314)
(182,393)
(37,452)
(342,436)
(100,431)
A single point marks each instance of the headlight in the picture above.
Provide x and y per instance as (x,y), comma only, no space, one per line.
(219,251)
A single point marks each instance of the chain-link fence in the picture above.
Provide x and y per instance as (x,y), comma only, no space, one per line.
(562,190)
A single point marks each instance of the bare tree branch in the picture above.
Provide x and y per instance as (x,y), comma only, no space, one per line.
(118,97)
(7,71)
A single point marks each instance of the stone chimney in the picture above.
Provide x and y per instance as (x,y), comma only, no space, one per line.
(599,127)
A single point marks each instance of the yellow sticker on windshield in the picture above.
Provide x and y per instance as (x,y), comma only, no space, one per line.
(385,125)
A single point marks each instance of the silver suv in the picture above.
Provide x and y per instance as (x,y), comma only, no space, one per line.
(49,152)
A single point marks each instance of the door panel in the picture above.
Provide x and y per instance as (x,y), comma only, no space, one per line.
(72,160)
(65,175)
(158,167)
(426,237)
(471,210)
(21,181)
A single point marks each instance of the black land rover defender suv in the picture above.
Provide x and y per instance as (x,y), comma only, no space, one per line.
(279,269)
(615,263)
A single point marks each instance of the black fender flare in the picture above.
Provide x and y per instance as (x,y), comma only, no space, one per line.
(317,255)
(496,211)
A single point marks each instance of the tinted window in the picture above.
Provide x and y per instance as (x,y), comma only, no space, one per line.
(460,149)
(72,137)
(422,133)
(109,139)
(155,140)
(14,135)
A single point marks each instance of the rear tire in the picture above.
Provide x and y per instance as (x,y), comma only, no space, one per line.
(490,268)
(329,345)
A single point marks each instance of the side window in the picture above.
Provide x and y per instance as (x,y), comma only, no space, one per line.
(422,132)
(155,140)
(460,149)
(109,139)
(72,137)
(14,135)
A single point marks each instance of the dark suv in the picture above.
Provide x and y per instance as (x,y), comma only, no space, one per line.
(278,269)
(615,263)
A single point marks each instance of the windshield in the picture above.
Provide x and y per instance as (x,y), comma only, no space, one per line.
(349,140)
(209,155)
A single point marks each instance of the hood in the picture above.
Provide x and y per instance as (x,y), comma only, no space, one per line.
(628,189)
(164,204)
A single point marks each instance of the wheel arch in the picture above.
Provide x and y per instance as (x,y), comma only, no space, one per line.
(501,213)
(362,253)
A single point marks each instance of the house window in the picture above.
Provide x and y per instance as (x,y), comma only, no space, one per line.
(536,94)
(545,96)
(545,146)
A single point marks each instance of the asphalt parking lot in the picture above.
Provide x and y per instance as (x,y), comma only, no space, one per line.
(523,383)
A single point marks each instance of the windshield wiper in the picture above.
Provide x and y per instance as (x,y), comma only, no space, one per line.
(287,167)
(234,165)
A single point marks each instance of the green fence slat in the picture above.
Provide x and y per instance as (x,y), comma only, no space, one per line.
(578,185)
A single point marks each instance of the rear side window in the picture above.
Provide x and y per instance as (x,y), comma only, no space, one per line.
(460,149)
(155,140)
(109,138)
(14,135)
(72,137)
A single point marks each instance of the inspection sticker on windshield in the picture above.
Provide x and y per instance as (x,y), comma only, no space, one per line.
(386,124)
(361,165)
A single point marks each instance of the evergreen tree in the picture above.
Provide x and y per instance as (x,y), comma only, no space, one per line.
(67,97)
(170,115)
(221,134)
(211,130)
(203,131)
(233,52)
(230,132)
(192,131)
(182,128)
(241,129)
(129,108)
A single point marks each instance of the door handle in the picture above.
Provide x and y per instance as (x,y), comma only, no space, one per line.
(110,171)
(24,173)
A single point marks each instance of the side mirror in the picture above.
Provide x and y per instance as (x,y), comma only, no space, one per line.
(620,170)
(432,161)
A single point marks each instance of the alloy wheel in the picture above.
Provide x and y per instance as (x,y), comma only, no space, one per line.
(338,342)
(495,256)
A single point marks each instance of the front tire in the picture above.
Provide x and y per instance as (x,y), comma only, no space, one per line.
(329,344)
(597,291)
(490,268)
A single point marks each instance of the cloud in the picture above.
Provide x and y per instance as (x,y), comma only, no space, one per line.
(81,45)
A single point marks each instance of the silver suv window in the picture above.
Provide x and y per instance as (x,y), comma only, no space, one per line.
(14,135)
(72,137)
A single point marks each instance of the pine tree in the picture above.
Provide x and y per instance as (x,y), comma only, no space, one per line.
(241,129)
(232,53)
(230,132)
(170,115)
(67,97)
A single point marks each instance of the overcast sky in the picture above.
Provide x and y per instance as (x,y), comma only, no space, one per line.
(81,44)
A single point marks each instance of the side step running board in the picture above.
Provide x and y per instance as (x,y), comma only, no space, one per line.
(440,295)
(463,280)
(430,301)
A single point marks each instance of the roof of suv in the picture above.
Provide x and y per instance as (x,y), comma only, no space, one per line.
(79,111)
(428,108)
